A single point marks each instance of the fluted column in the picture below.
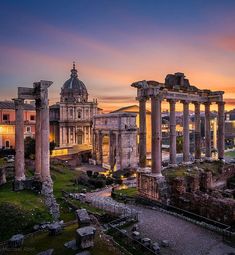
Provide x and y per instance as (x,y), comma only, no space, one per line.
(197,131)
(142,132)
(172,132)
(186,141)
(207,130)
(38,139)
(19,140)
(221,130)
(156,120)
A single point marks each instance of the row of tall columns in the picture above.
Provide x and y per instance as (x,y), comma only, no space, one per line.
(157,136)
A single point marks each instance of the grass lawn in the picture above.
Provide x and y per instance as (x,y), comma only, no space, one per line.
(43,241)
(130,192)
(230,154)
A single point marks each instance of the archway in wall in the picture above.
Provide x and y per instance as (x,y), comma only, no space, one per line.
(105,149)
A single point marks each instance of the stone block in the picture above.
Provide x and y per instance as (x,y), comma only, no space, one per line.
(16,241)
(83,218)
(85,237)
(47,252)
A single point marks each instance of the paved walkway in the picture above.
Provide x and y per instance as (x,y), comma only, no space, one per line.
(185,238)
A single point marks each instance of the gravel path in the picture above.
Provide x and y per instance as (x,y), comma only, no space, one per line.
(185,238)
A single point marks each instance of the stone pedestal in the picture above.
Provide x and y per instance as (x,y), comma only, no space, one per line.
(151,186)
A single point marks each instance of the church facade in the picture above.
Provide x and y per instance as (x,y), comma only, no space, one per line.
(71,118)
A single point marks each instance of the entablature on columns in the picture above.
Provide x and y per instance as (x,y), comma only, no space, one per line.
(147,89)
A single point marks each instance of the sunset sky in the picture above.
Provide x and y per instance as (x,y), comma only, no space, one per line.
(115,43)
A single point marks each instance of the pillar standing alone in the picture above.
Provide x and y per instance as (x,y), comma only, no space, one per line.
(39,93)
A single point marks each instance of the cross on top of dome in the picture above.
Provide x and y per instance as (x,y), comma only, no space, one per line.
(74,72)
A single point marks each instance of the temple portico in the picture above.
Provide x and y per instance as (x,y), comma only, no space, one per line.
(177,89)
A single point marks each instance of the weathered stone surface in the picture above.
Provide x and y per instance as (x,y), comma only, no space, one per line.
(122,131)
(2,176)
(85,237)
(71,245)
(83,218)
(47,252)
(16,241)
(55,228)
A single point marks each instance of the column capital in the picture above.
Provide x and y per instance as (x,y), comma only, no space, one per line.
(142,99)
(221,103)
(207,103)
(172,101)
(196,103)
(185,102)
(19,102)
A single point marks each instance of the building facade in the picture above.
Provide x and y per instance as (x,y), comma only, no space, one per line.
(71,118)
(8,121)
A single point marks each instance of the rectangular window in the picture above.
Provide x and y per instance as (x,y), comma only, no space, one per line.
(6,117)
(32,117)
(28,129)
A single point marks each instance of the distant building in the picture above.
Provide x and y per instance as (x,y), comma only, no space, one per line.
(7,123)
(71,118)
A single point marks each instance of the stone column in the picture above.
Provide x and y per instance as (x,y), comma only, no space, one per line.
(197,131)
(172,133)
(42,89)
(38,139)
(221,130)
(186,141)
(111,150)
(156,120)
(19,140)
(207,131)
(142,132)
(100,148)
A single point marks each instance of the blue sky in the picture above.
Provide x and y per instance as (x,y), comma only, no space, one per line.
(116,43)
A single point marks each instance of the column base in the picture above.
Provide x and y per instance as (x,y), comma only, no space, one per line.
(173,165)
(198,160)
(222,160)
(187,163)
(47,186)
(21,178)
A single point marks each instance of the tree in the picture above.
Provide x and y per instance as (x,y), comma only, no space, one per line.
(179,144)
(29,147)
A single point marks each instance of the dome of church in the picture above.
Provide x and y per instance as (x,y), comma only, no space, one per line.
(74,89)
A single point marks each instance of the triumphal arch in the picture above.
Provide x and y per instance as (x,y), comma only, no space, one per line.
(175,89)
(39,93)
(121,131)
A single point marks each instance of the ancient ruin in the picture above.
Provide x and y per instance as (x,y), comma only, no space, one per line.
(39,93)
(121,130)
